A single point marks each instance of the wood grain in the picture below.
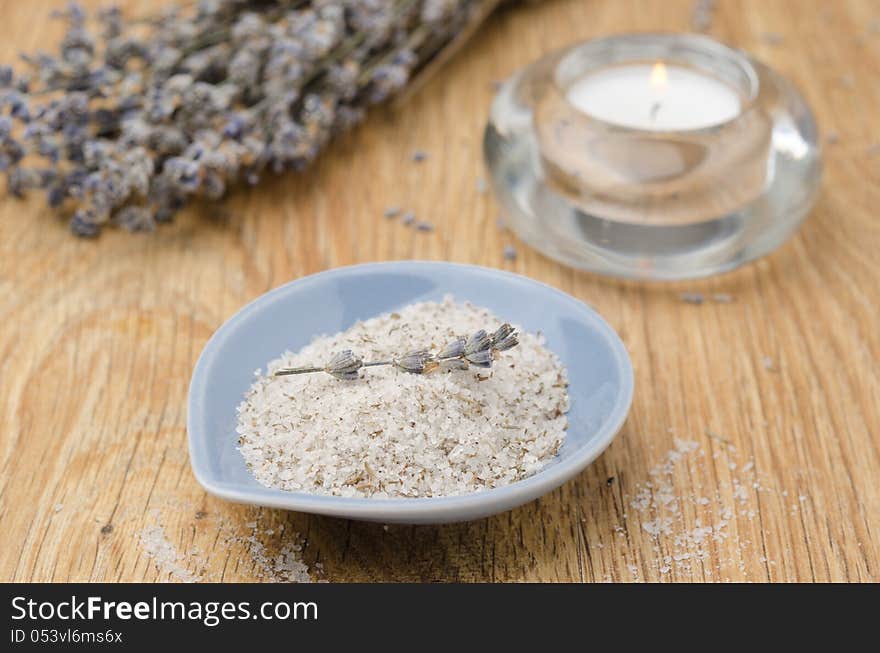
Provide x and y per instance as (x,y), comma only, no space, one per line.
(98,340)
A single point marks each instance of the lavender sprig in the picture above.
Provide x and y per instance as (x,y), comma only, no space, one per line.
(479,350)
(137,120)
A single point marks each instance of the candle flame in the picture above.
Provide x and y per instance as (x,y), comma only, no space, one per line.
(658,75)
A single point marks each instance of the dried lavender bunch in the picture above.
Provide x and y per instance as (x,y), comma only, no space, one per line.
(127,125)
(480,349)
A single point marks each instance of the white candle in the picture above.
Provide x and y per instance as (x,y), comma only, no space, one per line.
(655,97)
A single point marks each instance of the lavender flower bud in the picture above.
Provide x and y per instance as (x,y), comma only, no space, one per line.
(386,81)
(249,26)
(244,68)
(478,341)
(82,225)
(481,358)
(504,338)
(416,362)
(77,47)
(13,151)
(121,49)
(135,218)
(235,126)
(55,195)
(182,173)
(478,349)
(344,365)
(111,20)
(454,349)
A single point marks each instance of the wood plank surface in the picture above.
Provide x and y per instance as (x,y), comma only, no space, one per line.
(752,452)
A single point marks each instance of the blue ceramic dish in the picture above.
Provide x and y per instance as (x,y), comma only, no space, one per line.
(599,370)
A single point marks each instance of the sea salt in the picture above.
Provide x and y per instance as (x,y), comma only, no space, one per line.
(393,434)
(164,555)
(286,566)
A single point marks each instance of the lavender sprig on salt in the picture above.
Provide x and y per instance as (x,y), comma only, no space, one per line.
(479,350)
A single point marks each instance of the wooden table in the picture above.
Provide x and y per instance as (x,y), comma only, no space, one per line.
(774,399)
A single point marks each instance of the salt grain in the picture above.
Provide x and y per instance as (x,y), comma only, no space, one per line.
(392,434)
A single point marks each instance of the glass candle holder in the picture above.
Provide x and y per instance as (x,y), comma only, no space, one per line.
(653,156)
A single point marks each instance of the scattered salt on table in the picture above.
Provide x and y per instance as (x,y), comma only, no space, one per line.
(164,555)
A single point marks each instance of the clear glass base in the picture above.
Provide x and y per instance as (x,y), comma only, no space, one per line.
(693,230)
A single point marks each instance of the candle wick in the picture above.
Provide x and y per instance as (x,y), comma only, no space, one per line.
(655,109)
